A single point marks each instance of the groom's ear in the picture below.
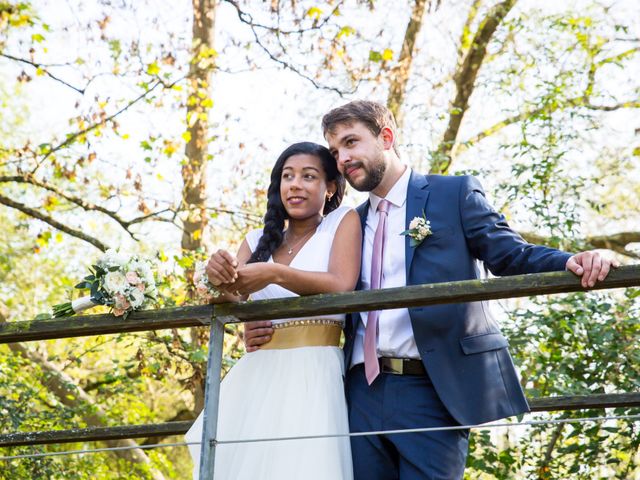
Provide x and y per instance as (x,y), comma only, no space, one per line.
(388,137)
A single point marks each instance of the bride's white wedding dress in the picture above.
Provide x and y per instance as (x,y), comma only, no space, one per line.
(286,390)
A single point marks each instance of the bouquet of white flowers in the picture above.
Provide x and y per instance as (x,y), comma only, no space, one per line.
(204,288)
(125,284)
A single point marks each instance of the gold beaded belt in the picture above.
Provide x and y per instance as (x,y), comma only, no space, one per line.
(312,332)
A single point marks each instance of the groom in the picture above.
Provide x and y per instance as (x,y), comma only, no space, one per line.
(436,366)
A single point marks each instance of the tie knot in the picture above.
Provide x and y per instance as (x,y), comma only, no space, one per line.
(383,206)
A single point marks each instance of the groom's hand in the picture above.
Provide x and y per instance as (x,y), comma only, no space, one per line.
(591,266)
(257,334)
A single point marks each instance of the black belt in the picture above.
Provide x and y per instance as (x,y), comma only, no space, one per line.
(401,366)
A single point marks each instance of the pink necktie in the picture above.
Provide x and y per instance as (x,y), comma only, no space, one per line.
(371,366)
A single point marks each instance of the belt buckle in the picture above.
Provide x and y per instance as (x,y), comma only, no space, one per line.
(394,366)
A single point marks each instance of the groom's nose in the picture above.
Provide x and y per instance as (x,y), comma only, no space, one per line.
(342,158)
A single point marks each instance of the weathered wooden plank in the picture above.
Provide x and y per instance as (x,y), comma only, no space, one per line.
(412,296)
(94,434)
(83,325)
(584,402)
(425,295)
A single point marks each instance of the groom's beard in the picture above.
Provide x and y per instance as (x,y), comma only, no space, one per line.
(373,175)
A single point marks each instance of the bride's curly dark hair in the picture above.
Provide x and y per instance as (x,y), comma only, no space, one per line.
(273,232)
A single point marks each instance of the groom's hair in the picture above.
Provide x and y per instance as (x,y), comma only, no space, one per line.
(373,115)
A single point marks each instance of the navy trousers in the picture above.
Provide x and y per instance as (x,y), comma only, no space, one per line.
(395,402)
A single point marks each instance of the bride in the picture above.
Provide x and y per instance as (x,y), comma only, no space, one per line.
(293,385)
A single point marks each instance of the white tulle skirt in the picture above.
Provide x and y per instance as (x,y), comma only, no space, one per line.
(281,393)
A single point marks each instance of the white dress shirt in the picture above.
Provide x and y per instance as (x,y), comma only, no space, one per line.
(395,334)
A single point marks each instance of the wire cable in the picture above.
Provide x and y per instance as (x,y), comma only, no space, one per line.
(485,426)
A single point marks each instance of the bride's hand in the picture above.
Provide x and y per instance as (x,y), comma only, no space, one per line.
(253,277)
(222,269)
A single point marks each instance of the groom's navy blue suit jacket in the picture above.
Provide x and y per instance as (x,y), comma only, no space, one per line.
(460,344)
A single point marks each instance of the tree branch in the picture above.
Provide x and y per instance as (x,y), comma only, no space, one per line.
(549,108)
(582,101)
(72,137)
(248,21)
(400,73)
(88,206)
(465,78)
(465,35)
(54,223)
(616,242)
(43,68)
(544,464)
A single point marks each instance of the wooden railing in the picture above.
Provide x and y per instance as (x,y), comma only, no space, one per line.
(216,316)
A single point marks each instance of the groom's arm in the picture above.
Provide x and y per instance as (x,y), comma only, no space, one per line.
(505,252)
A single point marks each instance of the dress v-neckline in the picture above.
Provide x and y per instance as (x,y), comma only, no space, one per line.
(299,251)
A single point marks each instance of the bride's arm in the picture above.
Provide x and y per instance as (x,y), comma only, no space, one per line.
(342,274)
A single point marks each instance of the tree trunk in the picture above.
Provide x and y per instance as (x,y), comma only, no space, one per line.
(198,105)
(197,152)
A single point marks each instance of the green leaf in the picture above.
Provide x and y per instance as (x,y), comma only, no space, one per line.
(198,356)
(375,56)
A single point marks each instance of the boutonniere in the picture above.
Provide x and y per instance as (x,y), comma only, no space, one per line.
(419,229)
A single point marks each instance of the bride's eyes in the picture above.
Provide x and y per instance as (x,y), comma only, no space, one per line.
(306,176)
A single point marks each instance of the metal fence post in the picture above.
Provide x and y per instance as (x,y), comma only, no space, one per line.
(211,398)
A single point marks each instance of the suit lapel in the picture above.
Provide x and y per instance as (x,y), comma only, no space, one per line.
(417,196)
(363,210)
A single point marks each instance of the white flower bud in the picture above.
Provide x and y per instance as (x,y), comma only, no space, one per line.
(115,282)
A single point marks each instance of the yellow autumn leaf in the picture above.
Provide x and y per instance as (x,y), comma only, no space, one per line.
(387,54)
(170,148)
(186,136)
(346,31)
(153,69)
(314,12)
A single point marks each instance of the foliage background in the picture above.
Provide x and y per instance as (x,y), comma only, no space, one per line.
(152,126)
